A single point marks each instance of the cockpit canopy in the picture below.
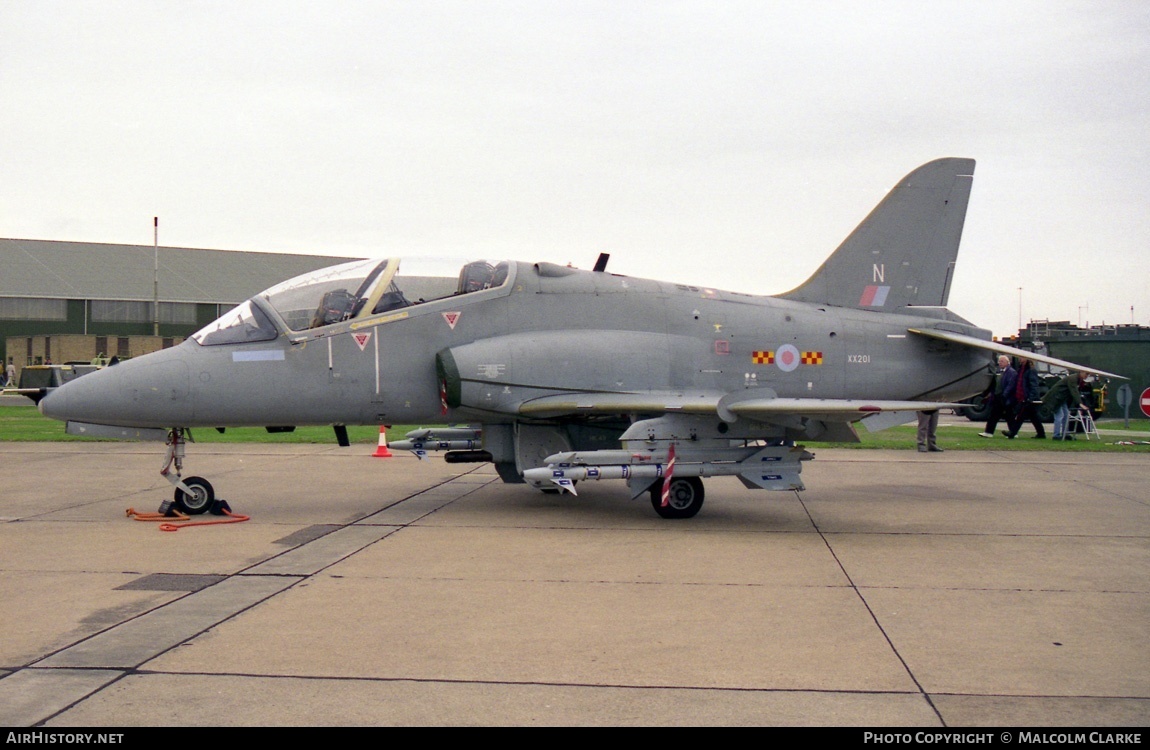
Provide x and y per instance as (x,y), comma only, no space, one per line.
(358,289)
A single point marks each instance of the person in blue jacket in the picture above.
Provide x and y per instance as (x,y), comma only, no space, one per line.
(996,395)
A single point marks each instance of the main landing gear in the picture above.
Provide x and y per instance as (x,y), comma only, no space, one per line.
(193,495)
(684,498)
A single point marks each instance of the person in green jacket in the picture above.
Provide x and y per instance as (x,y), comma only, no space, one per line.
(1058,401)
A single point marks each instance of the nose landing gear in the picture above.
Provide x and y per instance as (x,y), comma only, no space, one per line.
(193,495)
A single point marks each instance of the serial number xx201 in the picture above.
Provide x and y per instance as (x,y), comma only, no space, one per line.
(858,359)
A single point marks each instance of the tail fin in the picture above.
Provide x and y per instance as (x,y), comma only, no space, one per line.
(903,253)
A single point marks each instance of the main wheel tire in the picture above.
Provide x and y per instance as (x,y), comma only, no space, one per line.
(201,499)
(684,500)
(978,409)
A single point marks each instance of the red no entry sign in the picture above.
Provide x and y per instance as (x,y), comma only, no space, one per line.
(1144,402)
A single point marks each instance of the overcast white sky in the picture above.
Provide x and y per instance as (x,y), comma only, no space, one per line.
(731,144)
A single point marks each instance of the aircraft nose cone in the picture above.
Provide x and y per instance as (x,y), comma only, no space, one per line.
(54,405)
(152,391)
(89,398)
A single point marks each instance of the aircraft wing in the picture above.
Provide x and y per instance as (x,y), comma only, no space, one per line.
(1010,351)
(567,404)
(744,404)
(830,409)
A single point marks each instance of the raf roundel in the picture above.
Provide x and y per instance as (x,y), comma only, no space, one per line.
(787,358)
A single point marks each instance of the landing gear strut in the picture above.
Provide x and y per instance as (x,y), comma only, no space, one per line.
(193,495)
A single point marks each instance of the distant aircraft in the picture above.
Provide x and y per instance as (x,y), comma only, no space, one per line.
(579,375)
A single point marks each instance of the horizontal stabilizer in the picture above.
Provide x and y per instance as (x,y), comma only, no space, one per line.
(1010,351)
(887,419)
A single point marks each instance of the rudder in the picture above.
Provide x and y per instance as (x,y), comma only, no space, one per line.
(903,252)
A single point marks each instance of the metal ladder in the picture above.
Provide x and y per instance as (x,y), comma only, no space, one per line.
(1085,420)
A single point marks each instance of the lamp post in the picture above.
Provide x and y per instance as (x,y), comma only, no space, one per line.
(156,276)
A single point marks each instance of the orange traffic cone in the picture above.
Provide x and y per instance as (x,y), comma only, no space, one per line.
(382,451)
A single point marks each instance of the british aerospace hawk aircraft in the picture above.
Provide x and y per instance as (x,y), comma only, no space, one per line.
(579,375)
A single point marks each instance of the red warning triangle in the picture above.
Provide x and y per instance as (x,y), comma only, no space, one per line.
(452,318)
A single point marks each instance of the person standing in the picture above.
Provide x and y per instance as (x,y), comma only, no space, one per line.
(928,432)
(1025,402)
(10,374)
(1063,395)
(1004,378)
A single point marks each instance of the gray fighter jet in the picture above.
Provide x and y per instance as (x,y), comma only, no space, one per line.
(577,375)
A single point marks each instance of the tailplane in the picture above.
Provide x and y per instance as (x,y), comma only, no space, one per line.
(903,253)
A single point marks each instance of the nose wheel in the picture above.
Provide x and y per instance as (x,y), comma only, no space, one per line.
(197,500)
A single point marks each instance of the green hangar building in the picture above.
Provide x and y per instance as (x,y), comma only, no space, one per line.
(1123,349)
(73,301)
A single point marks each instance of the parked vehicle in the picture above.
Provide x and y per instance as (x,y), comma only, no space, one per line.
(53,376)
(37,380)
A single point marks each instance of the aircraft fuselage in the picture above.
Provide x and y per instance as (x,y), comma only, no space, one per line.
(549,330)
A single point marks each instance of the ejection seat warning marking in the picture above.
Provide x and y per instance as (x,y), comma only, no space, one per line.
(452,318)
(361,339)
(267,355)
